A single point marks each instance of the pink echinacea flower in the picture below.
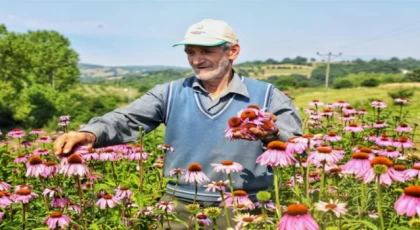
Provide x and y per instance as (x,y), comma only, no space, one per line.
(195,174)
(409,202)
(35,167)
(108,201)
(227,166)
(57,219)
(74,166)
(276,155)
(297,217)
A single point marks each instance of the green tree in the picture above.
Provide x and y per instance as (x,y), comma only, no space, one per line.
(34,68)
(14,59)
(37,57)
(35,105)
(414,76)
(7,96)
(370,82)
(53,62)
(341,83)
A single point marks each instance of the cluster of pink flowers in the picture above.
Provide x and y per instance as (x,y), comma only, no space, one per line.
(250,118)
(64,120)
(311,155)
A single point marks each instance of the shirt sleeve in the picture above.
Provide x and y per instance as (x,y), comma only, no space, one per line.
(122,124)
(288,120)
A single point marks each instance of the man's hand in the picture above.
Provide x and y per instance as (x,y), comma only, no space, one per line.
(65,143)
(260,133)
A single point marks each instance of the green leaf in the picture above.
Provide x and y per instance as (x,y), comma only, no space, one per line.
(94,227)
(365,223)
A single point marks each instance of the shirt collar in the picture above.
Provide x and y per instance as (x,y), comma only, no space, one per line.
(236,85)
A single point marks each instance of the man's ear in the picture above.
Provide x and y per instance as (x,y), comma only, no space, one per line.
(234,52)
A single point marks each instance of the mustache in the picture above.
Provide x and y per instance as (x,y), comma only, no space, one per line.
(201,66)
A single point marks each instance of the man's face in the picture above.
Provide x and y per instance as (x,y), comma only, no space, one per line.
(208,62)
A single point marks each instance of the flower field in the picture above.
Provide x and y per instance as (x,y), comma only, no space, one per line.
(354,168)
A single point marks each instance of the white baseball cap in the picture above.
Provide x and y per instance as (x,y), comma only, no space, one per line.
(209,32)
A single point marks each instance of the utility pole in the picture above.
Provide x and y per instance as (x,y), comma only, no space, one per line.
(327,74)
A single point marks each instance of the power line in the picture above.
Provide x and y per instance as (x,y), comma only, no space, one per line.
(327,74)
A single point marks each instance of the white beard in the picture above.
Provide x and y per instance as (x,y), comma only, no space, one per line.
(218,72)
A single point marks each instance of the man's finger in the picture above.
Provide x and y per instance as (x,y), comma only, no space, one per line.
(68,146)
(272,117)
(59,144)
(256,131)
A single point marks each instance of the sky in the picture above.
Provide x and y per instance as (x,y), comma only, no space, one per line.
(142,32)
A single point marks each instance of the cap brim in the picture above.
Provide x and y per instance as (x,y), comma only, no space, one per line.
(200,41)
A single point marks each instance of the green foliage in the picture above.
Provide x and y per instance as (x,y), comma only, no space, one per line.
(52,60)
(393,66)
(283,83)
(37,57)
(370,82)
(295,61)
(401,93)
(145,83)
(288,82)
(82,108)
(7,94)
(34,68)
(370,79)
(35,105)
(342,83)
(303,84)
(414,76)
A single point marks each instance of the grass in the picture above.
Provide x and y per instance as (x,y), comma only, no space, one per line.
(92,90)
(286,72)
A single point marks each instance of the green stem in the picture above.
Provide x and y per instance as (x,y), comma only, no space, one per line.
(113,174)
(401,105)
(45,197)
(306,181)
(231,190)
(215,227)
(141,161)
(276,189)
(336,179)
(381,217)
(160,171)
(302,171)
(106,215)
(264,215)
(195,192)
(362,198)
(322,193)
(167,218)
(176,185)
(196,223)
(23,215)
(141,176)
(82,200)
(414,133)
(225,208)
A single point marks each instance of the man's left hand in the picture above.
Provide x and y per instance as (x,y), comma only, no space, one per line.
(261,134)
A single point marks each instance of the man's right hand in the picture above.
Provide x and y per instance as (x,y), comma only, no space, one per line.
(65,143)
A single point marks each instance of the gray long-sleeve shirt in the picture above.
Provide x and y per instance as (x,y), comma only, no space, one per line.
(121,125)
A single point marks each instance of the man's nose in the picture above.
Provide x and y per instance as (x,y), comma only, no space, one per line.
(197,59)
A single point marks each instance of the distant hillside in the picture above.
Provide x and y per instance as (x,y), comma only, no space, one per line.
(95,73)
(310,69)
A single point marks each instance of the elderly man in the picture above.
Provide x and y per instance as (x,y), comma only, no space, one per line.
(195,111)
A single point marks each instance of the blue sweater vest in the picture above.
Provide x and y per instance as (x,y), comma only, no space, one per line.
(198,136)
